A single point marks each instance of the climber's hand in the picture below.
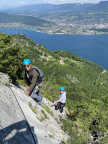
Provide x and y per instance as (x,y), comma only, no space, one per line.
(28,91)
(55,103)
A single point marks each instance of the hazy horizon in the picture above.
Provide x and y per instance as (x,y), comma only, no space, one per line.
(4,4)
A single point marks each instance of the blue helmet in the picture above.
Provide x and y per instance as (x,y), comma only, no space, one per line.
(62,88)
(26,62)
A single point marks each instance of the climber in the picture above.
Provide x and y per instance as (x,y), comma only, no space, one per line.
(59,105)
(33,78)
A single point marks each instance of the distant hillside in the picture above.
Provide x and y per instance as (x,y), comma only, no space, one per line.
(102,6)
(86,84)
(49,8)
(30,9)
(68,18)
(26,20)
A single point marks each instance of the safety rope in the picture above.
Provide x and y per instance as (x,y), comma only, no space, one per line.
(0,130)
(34,138)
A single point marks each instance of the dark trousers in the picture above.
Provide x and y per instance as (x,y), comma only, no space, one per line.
(36,94)
(59,106)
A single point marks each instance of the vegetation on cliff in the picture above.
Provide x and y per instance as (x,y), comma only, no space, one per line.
(86,84)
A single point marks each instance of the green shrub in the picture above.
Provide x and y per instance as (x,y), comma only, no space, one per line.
(44,114)
(48,110)
(34,109)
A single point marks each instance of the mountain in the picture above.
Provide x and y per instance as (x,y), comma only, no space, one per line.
(50,8)
(103,5)
(26,20)
(39,8)
(68,18)
(86,85)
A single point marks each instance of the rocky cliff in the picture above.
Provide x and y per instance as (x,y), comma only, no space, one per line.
(16,110)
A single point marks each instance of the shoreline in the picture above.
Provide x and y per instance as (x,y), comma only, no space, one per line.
(47,32)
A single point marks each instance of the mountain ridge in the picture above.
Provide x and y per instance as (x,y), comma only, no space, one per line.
(66,18)
(21,19)
(66,6)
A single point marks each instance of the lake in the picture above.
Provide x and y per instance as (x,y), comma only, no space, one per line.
(90,47)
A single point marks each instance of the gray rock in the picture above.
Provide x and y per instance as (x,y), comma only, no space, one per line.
(13,127)
(15,112)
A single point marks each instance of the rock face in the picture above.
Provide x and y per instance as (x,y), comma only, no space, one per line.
(43,120)
(13,127)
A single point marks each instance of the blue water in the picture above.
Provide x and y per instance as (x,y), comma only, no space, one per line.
(91,47)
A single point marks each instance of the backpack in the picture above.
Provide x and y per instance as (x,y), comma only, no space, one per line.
(41,75)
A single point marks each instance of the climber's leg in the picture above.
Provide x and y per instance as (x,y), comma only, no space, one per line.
(37,95)
(57,106)
(61,107)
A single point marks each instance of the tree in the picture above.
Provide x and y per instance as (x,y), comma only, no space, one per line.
(11,58)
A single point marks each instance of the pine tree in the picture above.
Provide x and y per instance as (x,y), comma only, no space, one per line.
(11,57)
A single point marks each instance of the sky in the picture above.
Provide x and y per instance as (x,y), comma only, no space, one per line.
(14,3)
